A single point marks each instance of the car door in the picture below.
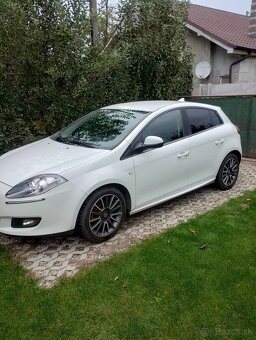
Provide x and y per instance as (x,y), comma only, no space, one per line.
(161,172)
(207,138)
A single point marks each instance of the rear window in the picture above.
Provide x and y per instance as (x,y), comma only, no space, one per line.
(202,119)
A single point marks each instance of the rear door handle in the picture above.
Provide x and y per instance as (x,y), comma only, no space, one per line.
(219,141)
(183,154)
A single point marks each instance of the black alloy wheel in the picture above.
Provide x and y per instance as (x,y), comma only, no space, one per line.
(102,215)
(228,172)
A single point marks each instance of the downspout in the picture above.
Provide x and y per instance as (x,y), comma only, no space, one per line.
(235,63)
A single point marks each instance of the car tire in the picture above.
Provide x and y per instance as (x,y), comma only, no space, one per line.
(228,172)
(101,215)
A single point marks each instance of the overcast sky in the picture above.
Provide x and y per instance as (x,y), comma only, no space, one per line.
(237,6)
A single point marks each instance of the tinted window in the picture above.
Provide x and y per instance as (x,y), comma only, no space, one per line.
(215,118)
(168,126)
(202,119)
(103,129)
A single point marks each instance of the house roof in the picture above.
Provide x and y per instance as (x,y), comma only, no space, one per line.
(228,28)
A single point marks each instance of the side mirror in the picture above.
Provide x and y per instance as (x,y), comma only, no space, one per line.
(153,142)
(150,142)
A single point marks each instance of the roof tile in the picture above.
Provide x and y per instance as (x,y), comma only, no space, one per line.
(229,28)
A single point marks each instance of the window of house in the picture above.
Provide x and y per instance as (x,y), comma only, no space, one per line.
(224,79)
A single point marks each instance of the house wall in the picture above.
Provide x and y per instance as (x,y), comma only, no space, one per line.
(236,89)
(201,49)
(220,61)
(244,72)
(243,81)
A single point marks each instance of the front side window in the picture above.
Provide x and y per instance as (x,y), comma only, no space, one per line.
(168,126)
(101,129)
(201,119)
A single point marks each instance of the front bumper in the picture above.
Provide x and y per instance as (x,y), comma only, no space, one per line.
(57,208)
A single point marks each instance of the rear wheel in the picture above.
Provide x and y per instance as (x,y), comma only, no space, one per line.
(228,172)
(102,215)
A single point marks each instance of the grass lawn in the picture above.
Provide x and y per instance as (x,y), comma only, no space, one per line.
(166,288)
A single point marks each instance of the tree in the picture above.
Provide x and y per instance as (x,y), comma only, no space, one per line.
(94,21)
(43,50)
(153,37)
(50,74)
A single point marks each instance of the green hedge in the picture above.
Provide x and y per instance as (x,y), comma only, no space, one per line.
(49,74)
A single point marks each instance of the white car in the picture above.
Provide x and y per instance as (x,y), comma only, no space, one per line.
(118,160)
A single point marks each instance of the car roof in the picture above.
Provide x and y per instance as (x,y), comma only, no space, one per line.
(147,106)
(154,105)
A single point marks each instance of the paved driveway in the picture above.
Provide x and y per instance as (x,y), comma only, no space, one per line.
(49,259)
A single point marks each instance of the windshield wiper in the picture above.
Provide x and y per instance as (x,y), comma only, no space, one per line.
(72,141)
(60,139)
(80,143)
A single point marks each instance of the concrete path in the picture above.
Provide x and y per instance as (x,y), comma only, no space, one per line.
(49,259)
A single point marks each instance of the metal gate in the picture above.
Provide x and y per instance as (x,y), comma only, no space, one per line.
(242,112)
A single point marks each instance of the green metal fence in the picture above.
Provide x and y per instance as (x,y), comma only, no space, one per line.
(242,112)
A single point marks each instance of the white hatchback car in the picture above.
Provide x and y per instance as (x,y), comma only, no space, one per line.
(118,160)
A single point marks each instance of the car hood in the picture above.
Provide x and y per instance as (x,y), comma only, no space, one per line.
(42,157)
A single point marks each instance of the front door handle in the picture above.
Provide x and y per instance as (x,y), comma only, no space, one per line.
(183,154)
(219,141)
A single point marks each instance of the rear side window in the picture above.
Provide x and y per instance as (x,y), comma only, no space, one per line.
(202,119)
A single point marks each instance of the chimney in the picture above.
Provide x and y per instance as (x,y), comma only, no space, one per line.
(252,24)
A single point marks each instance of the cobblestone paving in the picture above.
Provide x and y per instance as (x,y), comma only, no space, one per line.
(49,259)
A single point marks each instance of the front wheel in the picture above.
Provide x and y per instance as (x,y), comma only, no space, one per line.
(102,215)
(228,172)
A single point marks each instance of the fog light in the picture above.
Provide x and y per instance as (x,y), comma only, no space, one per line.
(25,222)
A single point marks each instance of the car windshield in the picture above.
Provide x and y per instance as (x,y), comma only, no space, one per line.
(101,129)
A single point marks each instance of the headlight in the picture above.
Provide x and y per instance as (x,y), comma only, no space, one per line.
(35,186)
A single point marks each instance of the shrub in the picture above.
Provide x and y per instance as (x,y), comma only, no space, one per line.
(49,74)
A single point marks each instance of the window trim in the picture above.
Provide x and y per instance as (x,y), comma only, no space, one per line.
(128,152)
(187,122)
(186,126)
